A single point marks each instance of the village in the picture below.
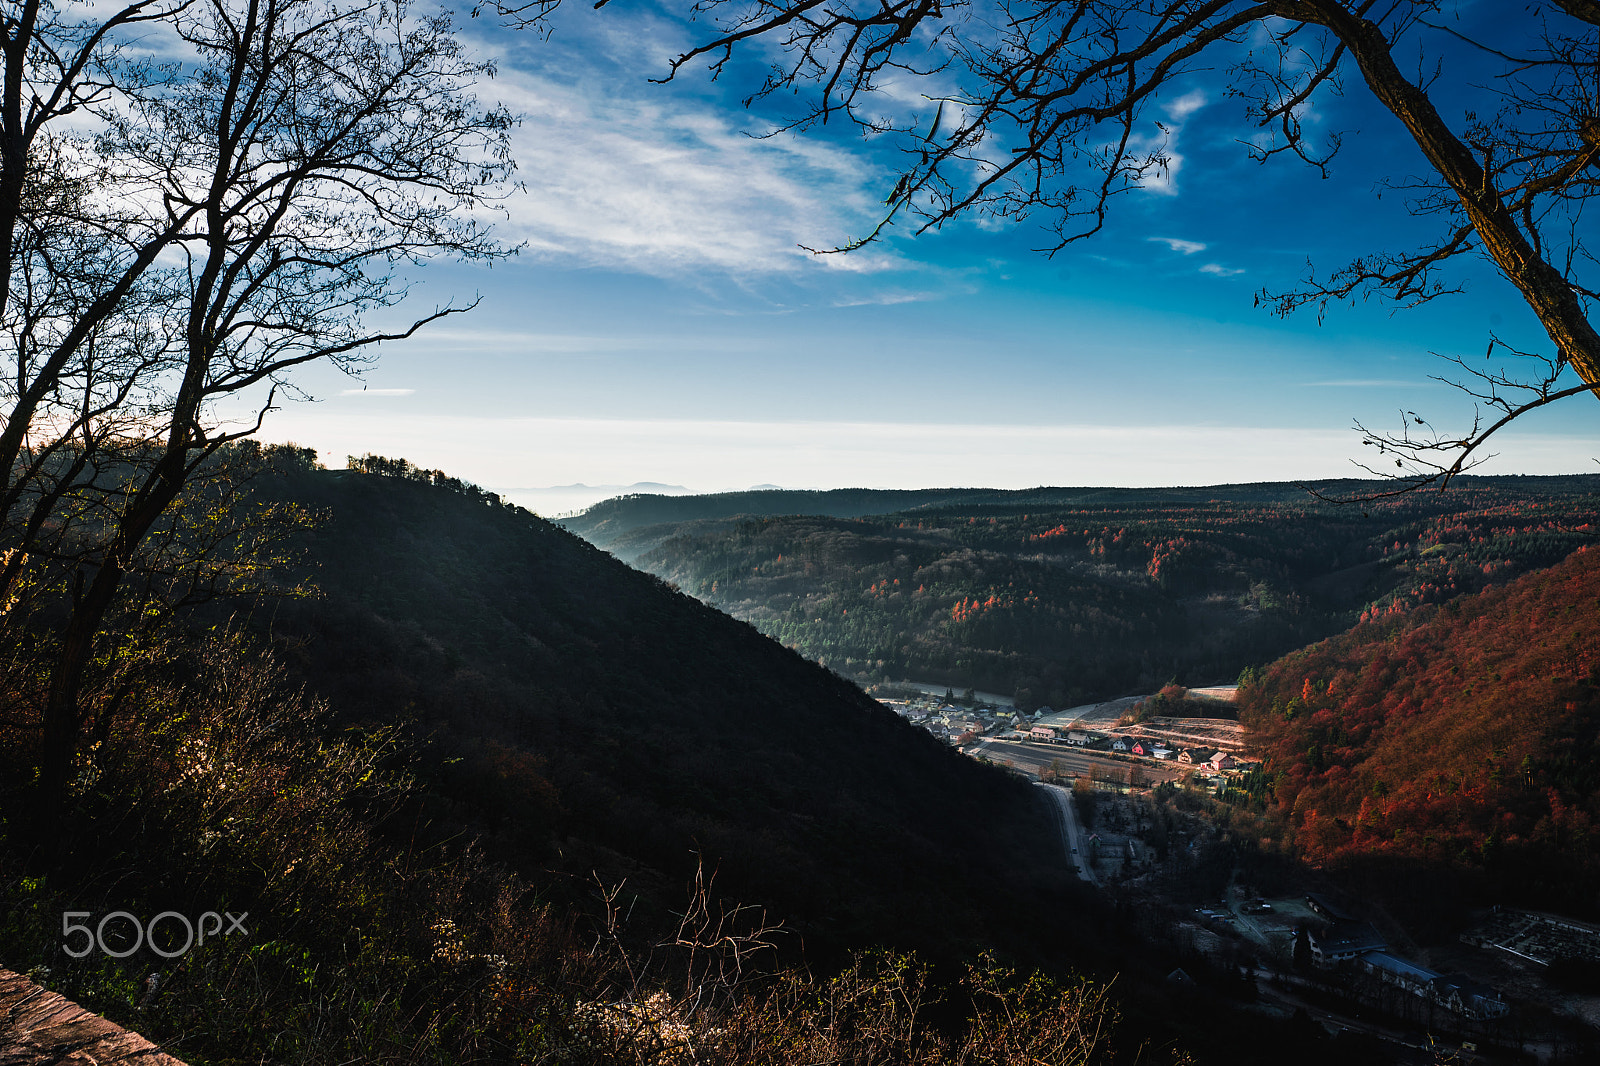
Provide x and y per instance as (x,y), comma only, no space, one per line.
(1156,797)
(1202,751)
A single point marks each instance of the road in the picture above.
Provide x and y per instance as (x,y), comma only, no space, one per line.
(1071,834)
(1034,757)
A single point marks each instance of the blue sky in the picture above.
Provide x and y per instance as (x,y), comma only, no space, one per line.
(661,324)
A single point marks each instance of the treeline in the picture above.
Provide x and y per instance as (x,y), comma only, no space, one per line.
(403,469)
(1175,701)
(1459,738)
(1062,606)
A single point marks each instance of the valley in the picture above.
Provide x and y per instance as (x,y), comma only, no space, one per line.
(1230,859)
(545,729)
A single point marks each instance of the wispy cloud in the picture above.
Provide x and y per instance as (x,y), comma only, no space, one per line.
(1221,271)
(1164,181)
(1366,383)
(1179,245)
(888,299)
(533,341)
(376,392)
(1187,104)
(657,184)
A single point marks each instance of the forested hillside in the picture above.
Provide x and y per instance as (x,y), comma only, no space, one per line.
(1458,738)
(603,721)
(1117,591)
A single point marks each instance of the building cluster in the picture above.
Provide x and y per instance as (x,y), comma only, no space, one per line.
(950,722)
(1357,948)
(954,724)
(1215,759)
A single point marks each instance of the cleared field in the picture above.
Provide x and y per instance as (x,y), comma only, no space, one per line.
(1031,758)
(1101,716)
(1224,733)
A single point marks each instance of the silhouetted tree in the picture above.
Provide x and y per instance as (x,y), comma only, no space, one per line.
(247,203)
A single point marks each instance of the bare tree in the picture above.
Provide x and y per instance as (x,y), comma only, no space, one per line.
(1041,107)
(258,200)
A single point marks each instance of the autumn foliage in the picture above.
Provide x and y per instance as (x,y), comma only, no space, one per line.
(1059,596)
(1460,736)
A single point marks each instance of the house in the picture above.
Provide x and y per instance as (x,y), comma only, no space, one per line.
(1320,905)
(1159,752)
(1042,732)
(1342,940)
(1469,998)
(1078,738)
(1393,970)
(1186,757)
(1223,761)
(1451,991)
(1120,744)
(1141,748)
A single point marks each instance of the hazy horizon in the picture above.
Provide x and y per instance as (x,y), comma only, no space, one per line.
(663,324)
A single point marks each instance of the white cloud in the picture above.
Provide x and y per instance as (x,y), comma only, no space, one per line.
(658,185)
(1221,271)
(1179,245)
(889,299)
(1164,180)
(1364,383)
(1180,109)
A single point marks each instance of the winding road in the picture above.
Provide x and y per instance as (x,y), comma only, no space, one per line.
(1071,833)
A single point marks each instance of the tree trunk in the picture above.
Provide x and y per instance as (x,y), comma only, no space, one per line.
(63,717)
(1544,288)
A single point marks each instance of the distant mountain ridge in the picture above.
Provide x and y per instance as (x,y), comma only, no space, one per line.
(573,498)
(1062,596)
(607,522)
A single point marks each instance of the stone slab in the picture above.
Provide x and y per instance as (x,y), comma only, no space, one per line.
(43,1028)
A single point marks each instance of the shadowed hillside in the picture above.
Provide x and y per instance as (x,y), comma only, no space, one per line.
(603,720)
